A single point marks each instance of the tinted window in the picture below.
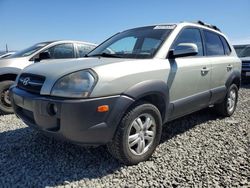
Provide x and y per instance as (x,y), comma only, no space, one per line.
(214,46)
(190,35)
(61,51)
(83,49)
(227,48)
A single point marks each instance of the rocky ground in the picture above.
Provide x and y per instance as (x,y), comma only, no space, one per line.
(200,150)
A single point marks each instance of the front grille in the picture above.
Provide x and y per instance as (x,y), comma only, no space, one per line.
(245,65)
(31,83)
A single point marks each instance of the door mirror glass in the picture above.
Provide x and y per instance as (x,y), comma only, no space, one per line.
(184,49)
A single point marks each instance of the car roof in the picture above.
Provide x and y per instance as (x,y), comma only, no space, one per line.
(199,24)
(241,45)
(68,41)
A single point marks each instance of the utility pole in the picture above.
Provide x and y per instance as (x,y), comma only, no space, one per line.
(7,48)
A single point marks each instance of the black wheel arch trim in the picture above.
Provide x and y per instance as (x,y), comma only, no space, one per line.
(150,87)
(235,75)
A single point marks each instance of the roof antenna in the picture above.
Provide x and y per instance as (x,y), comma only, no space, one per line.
(6,47)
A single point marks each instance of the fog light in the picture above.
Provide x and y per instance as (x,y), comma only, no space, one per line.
(52,109)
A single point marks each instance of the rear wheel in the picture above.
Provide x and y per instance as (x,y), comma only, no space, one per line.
(228,106)
(138,134)
(5,103)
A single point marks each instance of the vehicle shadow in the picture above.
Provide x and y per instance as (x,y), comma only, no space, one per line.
(30,159)
(40,161)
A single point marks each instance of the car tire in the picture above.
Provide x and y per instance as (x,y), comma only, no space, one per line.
(138,134)
(5,104)
(228,105)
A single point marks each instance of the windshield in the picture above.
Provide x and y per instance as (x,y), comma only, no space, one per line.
(30,50)
(135,43)
(242,51)
(245,52)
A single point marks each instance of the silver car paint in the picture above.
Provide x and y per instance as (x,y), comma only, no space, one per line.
(19,63)
(184,77)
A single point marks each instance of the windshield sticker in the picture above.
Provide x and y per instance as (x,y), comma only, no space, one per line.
(164,27)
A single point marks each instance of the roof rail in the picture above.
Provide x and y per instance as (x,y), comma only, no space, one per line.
(208,25)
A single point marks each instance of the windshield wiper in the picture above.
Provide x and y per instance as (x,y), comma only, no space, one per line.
(104,55)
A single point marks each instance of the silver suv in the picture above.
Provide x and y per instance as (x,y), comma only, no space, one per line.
(129,86)
(12,65)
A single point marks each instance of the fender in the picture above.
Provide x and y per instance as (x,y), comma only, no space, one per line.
(151,87)
(9,73)
(235,75)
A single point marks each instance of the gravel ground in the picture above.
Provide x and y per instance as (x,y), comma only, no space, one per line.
(200,150)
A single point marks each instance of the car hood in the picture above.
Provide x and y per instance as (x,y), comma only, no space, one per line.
(245,59)
(59,68)
(55,69)
(19,63)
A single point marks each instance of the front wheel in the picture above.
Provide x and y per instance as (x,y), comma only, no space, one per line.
(5,103)
(138,134)
(228,106)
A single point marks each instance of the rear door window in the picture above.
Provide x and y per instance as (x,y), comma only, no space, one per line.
(214,46)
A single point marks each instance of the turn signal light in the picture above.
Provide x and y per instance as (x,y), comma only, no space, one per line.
(103,108)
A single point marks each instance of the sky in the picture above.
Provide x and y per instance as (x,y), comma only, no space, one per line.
(26,22)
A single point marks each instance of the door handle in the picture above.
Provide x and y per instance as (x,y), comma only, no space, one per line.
(204,70)
(229,67)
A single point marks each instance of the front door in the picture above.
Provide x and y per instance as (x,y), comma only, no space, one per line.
(189,80)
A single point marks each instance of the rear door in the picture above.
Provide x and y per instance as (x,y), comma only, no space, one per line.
(189,79)
(218,51)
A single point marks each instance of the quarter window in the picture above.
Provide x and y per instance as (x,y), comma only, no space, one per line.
(190,35)
(214,46)
(227,49)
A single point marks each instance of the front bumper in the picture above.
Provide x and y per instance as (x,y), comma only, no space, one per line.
(75,120)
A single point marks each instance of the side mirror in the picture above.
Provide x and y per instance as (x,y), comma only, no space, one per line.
(184,50)
(43,55)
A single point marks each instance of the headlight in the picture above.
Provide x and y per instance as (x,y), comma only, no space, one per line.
(75,85)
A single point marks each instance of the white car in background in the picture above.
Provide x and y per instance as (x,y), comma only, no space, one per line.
(7,54)
(12,65)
